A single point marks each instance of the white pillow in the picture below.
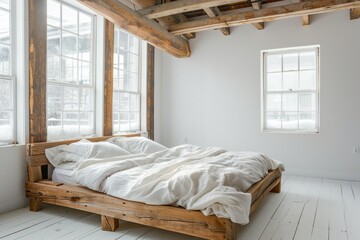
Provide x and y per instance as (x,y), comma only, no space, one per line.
(62,155)
(137,145)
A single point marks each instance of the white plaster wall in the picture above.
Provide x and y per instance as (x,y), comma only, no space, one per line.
(213,97)
(12,178)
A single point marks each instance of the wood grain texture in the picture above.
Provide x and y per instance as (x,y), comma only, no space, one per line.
(37,70)
(165,217)
(265,14)
(109,32)
(182,6)
(140,26)
(354,13)
(213,12)
(150,91)
(109,223)
(39,148)
(305,20)
(259,25)
(35,204)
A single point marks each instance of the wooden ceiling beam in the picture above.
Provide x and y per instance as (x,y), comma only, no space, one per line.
(182,6)
(354,13)
(146,29)
(258,5)
(263,15)
(305,20)
(214,12)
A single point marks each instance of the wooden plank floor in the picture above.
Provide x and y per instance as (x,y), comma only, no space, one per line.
(306,209)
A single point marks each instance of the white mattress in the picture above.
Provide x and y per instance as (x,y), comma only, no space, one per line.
(63,176)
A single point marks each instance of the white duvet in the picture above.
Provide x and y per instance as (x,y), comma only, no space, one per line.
(207,179)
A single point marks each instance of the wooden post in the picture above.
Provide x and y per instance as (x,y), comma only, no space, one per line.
(109,223)
(108,78)
(150,91)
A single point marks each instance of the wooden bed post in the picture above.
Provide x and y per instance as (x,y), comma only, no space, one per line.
(277,188)
(109,223)
(230,230)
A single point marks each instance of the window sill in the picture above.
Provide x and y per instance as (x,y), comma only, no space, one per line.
(290,131)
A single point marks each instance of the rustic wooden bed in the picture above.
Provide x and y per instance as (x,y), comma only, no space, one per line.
(177,219)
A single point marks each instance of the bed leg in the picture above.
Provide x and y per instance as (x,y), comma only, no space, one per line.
(277,188)
(230,230)
(35,204)
(109,223)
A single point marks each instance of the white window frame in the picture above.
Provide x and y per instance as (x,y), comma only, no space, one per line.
(93,62)
(138,93)
(264,91)
(12,73)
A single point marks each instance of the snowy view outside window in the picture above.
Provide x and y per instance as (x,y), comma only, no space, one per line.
(70,85)
(6,80)
(126,97)
(291,94)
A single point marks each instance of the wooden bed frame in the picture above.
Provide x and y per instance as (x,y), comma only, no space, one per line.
(111,209)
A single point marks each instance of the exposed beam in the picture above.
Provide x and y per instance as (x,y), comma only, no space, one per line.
(305,20)
(257,6)
(268,14)
(213,12)
(182,6)
(144,3)
(142,27)
(354,13)
(259,25)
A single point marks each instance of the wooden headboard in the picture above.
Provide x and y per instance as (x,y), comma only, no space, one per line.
(35,154)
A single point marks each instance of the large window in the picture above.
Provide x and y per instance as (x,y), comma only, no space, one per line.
(70,76)
(291,90)
(7,88)
(126,97)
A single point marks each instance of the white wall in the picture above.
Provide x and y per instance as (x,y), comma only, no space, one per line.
(213,97)
(12,178)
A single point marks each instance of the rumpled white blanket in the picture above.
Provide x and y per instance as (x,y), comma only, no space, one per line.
(208,179)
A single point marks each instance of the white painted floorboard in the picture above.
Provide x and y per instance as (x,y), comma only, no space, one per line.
(306,209)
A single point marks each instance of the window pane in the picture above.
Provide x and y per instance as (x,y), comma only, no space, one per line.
(53,13)
(134,120)
(84,74)
(133,82)
(5,4)
(69,42)
(274,82)
(116,100)
(274,63)
(84,48)
(273,102)
(6,97)
(273,120)
(124,102)
(134,63)
(290,120)
(4,26)
(290,61)
(134,44)
(123,81)
(86,100)
(71,98)
(53,40)
(86,123)
(124,122)
(69,70)
(134,103)
(123,37)
(53,68)
(85,24)
(69,19)
(307,120)
(290,102)
(6,127)
(307,102)
(123,60)
(4,60)
(308,60)
(290,81)
(308,80)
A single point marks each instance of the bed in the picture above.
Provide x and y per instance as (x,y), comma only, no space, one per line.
(40,190)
